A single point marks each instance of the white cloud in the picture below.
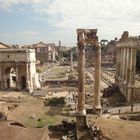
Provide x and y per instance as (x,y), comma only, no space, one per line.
(21,37)
(28,33)
(111,17)
(75,13)
(7,4)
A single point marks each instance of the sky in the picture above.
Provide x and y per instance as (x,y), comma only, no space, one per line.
(31,21)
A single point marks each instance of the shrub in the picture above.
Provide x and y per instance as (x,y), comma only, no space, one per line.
(55,101)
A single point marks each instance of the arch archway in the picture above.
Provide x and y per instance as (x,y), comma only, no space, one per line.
(10,78)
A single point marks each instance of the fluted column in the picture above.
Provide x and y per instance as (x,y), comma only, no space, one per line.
(117,66)
(130,65)
(97,76)
(119,59)
(128,68)
(126,63)
(129,88)
(133,66)
(81,79)
(121,71)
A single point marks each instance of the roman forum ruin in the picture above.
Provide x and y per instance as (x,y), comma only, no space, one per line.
(126,66)
(88,37)
(17,69)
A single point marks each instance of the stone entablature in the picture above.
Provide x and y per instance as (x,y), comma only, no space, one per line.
(17,55)
(87,36)
(126,41)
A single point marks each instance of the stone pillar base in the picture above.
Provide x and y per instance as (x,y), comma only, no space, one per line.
(81,113)
(130,92)
(98,110)
(81,126)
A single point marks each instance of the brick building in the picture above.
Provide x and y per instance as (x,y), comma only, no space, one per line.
(44,52)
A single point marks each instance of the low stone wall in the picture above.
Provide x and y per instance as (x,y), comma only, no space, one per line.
(125,109)
(137,93)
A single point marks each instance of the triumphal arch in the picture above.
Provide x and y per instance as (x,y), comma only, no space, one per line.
(17,69)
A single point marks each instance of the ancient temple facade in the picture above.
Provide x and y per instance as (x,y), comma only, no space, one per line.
(126,66)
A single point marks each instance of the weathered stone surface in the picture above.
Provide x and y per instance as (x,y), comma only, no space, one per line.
(22,61)
(126,65)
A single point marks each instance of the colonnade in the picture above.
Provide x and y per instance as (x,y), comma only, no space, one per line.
(126,65)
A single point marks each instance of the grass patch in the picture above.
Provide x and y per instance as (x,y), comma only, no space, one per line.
(40,69)
(46,120)
(55,101)
(89,88)
(57,72)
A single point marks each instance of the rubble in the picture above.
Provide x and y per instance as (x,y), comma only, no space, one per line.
(3,116)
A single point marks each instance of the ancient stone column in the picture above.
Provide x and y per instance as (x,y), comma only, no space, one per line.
(134,65)
(117,66)
(30,79)
(128,68)
(10,81)
(120,66)
(130,65)
(130,75)
(119,63)
(17,77)
(2,81)
(27,75)
(0,77)
(81,79)
(97,103)
(71,60)
(121,72)
(124,62)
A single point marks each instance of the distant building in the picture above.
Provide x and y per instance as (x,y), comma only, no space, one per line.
(44,52)
(4,46)
(109,53)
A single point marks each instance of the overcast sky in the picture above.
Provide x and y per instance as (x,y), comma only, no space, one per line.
(30,21)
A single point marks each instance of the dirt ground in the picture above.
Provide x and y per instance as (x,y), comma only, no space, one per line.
(117,129)
(32,112)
